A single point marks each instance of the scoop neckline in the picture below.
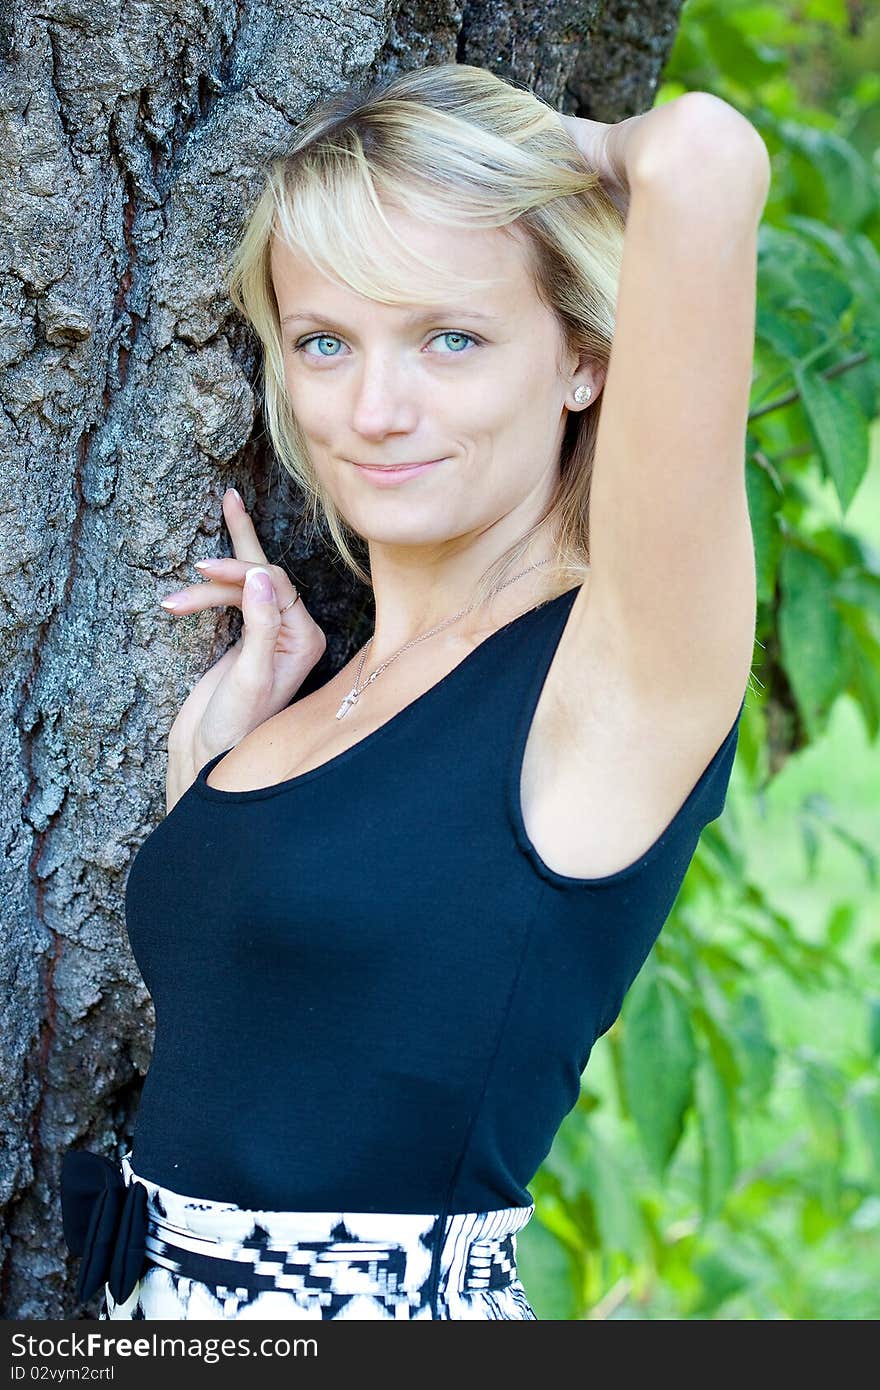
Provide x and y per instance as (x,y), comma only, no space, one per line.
(202,787)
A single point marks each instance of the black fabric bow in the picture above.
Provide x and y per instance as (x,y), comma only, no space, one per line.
(105,1223)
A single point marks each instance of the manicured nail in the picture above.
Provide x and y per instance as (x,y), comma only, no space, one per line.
(204,564)
(170,603)
(260,584)
(236,494)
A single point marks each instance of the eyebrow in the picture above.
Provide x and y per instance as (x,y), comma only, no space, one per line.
(418,316)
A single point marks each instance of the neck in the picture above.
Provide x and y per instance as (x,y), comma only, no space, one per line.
(413,596)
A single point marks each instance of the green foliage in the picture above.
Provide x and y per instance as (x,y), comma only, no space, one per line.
(724,1157)
(659,1060)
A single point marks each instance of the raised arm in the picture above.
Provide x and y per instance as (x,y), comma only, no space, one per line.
(672,559)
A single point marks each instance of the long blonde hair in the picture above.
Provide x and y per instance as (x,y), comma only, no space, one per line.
(457,145)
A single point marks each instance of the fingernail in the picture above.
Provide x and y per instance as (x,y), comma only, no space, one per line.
(170,603)
(204,564)
(236,494)
(259,583)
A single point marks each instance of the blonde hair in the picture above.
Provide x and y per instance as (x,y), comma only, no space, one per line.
(452,144)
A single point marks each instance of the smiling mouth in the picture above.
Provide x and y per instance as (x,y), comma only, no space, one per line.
(395,467)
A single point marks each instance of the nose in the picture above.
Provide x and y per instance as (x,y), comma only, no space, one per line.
(384,397)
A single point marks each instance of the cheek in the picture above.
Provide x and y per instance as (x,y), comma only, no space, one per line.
(481,411)
(313,422)
(512,399)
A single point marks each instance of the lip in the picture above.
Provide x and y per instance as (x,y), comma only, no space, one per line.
(387,476)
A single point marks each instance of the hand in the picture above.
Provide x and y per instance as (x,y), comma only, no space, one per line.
(259,675)
(598,148)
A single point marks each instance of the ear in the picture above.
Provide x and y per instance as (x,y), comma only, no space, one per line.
(589,374)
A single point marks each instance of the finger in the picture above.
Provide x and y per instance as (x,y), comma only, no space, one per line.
(229,569)
(255,668)
(242,533)
(201,596)
(296,630)
(221,592)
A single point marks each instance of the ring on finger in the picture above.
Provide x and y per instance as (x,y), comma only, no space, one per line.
(289,605)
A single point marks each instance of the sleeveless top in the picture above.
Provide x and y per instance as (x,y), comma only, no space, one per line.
(371,992)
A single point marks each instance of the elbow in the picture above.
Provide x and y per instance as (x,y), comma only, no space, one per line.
(715,129)
(711,156)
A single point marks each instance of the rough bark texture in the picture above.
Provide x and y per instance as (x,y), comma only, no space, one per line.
(130,136)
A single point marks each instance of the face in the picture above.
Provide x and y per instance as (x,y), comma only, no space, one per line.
(473,390)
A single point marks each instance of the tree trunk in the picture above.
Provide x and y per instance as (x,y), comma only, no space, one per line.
(130,141)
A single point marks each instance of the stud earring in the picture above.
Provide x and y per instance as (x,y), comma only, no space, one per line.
(583,393)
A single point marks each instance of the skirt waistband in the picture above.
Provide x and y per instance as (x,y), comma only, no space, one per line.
(221,1244)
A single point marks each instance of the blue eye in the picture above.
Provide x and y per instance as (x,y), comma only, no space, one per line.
(318,338)
(453,333)
(324,338)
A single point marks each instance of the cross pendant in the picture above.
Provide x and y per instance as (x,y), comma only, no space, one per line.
(347,703)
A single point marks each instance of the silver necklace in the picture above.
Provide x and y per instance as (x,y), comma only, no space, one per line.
(357,689)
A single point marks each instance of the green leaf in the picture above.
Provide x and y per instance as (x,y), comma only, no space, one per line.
(816,1220)
(617,1213)
(865,1098)
(864,681)
(824,1114)
(824,293)
(857,259)
(736,54)
(845,551)
(764,501)
(756,1052)
(840,924)
(874,1025)
(789,337)
(810,634)
(839,427)
(659,1057)
(711,1017)
(549,1271)
(862,589)
(838,246)
(865,274)
(850,186)
(782,258)
(557,1218)
(716,1127)
(721,1276)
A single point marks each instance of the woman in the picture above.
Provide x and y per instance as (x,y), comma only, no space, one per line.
(384,924)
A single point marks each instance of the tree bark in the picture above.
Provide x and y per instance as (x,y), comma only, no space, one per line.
(130,142)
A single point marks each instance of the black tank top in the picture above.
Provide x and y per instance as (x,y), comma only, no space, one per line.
(371,992)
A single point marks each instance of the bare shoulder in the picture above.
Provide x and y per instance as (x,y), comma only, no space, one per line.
(608,763)
(253,761)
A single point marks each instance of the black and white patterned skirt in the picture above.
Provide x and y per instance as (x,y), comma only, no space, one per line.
(211,1259)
